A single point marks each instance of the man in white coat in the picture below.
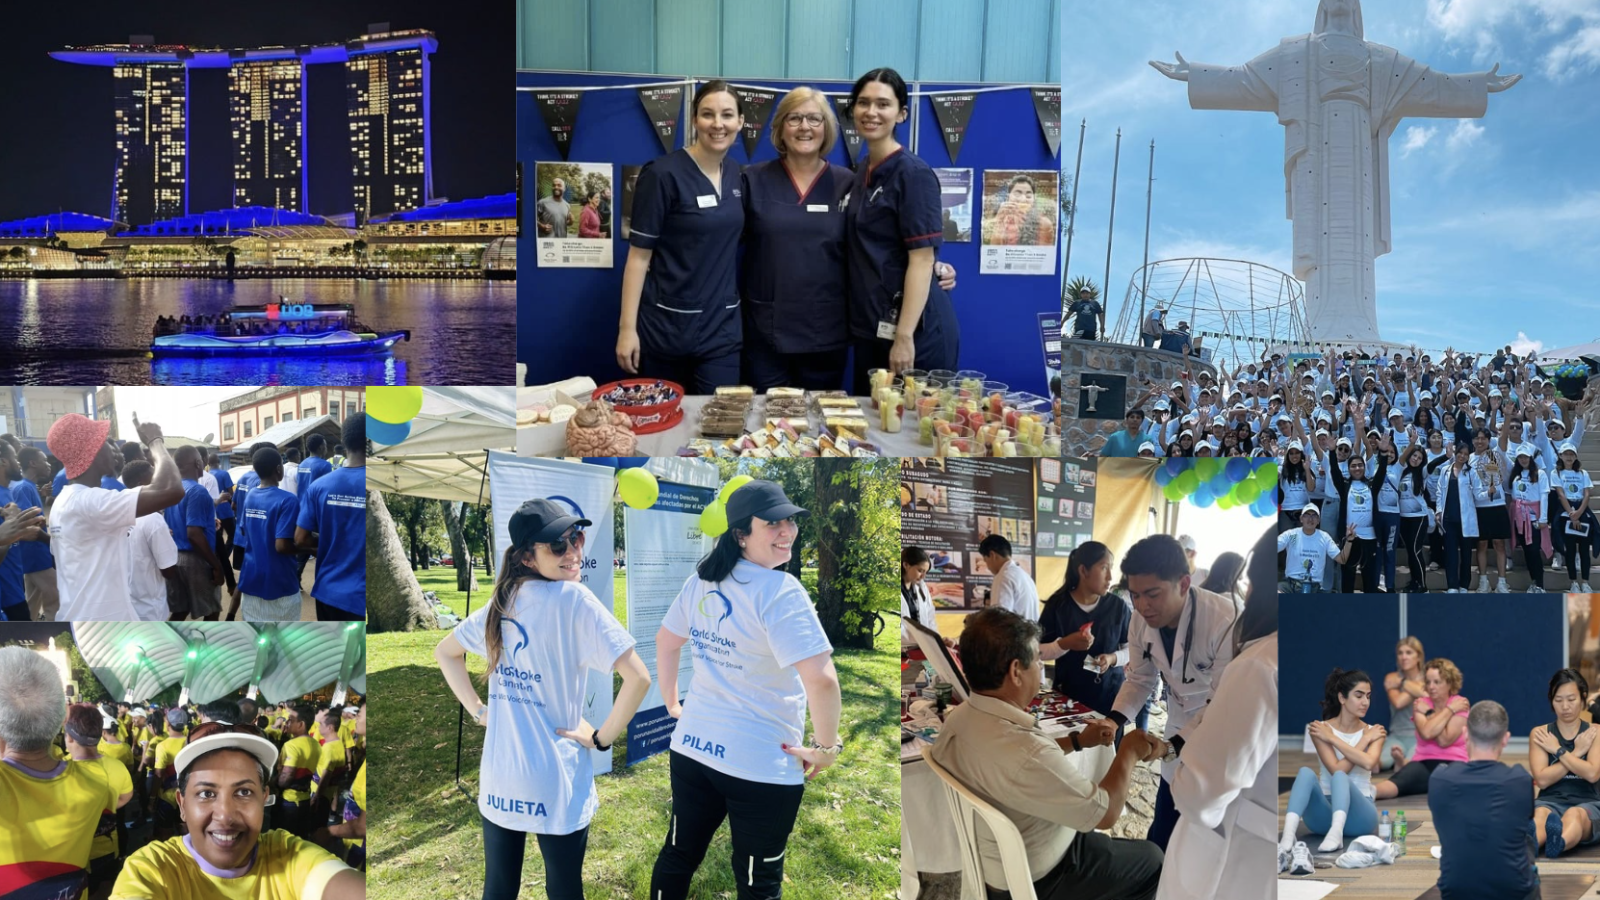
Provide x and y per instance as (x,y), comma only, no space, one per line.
(1226,783)
(1181,635)
(1012,588)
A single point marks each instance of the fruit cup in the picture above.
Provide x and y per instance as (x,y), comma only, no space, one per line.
(892,410)
(929,429)
(954,441)
(994,394)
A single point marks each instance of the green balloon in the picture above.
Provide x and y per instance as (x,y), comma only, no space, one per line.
(1208,468)
(1172,491)
(714,519)
(1187,482)
(1268,473)
(734,483)
(1247,491)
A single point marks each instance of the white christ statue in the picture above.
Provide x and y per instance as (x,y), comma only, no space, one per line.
(1339,97)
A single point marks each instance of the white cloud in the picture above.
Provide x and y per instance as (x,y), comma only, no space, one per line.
(1417,137)
(1465,135)
(1574,26)
(1524,345)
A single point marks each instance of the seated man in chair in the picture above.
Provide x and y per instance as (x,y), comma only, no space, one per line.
(1483,811)
(992,745)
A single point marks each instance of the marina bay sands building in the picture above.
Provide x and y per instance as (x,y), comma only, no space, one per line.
(387,102)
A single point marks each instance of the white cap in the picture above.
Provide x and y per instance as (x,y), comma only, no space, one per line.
(1310,508)
(109,723)
(1479,414)
(1147,446)
(1177,384)
(1187,543)
(1525,450)
(1296,445)
(1284,417)
(1344,440)
(1566,447)
(1219,421)
(1321,432)
(1204,445)
(1396,412)
(1426,395)
(1328,394)
(1162,404)
(138,712)
(1186,432)
(262,749)
(1494,392)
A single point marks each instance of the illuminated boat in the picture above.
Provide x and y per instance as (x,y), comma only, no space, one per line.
(276,329)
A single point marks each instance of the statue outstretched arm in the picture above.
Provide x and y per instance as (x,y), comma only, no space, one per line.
(1252,87)
(1447,96)
(1178,71)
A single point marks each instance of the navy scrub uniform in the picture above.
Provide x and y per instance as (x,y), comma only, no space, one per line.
(792,280)
(894,208)
(689,328)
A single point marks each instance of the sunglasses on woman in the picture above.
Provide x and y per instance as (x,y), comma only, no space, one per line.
(572,538)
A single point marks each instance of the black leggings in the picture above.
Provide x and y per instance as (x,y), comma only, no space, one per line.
(1413,531)
(502,862)
(1413,776)
(760,817)
(1577,548)
(1532,555)
(1363,555)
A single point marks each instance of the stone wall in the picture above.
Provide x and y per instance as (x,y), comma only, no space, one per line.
(1081,437)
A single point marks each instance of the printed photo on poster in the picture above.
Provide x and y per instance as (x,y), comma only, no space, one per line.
(630,180)
(572,214)
(949,506)
(955,196)
(1019,222)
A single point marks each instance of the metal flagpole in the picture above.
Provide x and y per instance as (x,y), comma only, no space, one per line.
(472,578)
(1111,230)
(1072,214)
(1149,191)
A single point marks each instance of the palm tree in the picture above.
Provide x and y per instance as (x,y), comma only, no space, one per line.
(1080,284)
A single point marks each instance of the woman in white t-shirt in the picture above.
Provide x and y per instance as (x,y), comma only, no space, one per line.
(1574,484)
(541,633)
(1336,799)
(761,659)
(916,604)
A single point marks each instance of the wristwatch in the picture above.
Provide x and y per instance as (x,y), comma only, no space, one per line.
(1075,744)
(597,744)
(833,751)
(482,710)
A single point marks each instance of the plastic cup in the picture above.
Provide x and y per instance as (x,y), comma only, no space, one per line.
(955,441)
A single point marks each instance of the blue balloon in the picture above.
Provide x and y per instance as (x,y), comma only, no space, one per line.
(1163,476)
(1202,497)
(609,462)
(1221,485)
(1237,469)
(1264,506)
(387,434)
(1176,465)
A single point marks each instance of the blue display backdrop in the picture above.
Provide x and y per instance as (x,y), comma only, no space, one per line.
(567,318)
(1506,648)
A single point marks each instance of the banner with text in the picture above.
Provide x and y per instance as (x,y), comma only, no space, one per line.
(1047,103)
(847,129)
(587,491)
(663,105)
(948,506)
(757,107)
(954,112)
(663,544)
(559,109)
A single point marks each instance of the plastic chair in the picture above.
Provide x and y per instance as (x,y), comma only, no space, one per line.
(966,807)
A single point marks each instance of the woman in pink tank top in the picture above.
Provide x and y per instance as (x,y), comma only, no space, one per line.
(1441,720)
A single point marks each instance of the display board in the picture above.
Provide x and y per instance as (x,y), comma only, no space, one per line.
(663,544)
(948,506)
(1065,506)
(567,317)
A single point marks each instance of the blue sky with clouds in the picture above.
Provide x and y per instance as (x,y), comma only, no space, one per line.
(1496,221)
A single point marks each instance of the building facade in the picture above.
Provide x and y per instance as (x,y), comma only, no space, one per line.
(266,103)
(152,128)
(240,419)
(386,94)
(28,412)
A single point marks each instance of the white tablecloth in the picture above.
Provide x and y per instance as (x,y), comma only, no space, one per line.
(929,840)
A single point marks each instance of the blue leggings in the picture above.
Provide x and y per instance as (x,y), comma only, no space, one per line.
(1316,809)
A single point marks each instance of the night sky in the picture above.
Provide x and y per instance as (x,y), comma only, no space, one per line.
(56,141)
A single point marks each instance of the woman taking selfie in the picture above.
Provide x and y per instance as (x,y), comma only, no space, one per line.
(761,660)
(542,633)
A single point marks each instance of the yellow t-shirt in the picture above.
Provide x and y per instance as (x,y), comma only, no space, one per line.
(166,764)
(274,735)
(358,793)
(332,764)
(347,732)
(49,827)
(122,752)
(302,756)
(139,738)
(285,868)
(105,836)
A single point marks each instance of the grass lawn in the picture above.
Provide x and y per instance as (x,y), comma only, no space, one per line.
(425,840)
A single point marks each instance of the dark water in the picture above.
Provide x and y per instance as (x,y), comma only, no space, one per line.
(98,331)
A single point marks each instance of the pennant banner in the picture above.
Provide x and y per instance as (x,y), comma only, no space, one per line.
(664,105)
(757,107)
(560,112)
(1047,103)
(847,129)
(954,112)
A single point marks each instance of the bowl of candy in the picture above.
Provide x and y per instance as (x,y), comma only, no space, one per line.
(651,404)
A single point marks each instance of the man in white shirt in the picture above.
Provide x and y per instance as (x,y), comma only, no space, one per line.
(89,524)
(1190,552)
(152,555)
(1012,588)
(291,471)
(1309,550)
(992,745)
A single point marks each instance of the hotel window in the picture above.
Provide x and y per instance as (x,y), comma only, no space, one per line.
(227,431)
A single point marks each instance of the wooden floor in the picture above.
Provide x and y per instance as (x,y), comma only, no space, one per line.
(1414,873)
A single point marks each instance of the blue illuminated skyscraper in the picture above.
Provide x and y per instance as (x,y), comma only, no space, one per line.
(152,129)
(386,91)
(266,108)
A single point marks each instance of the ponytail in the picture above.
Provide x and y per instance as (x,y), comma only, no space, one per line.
(1087,555)
(1339,684)
(512,574)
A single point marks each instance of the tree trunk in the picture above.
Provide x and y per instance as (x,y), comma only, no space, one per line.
(458,545)
(394,598)
(837,505)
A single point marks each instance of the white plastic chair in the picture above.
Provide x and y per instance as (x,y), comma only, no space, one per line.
(965,808)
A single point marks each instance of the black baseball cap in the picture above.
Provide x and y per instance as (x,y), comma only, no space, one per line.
(542,521)
(762,498)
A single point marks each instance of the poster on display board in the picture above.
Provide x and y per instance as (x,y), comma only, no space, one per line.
(1065,506)
(948,506)
(572,215)
(1019,222)
(955,200)
(663,544)
(1050,338)
(587,491)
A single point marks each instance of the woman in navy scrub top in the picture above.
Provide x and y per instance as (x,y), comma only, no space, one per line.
(680,298)
(898,316)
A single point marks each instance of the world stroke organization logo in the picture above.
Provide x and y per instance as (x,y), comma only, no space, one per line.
(717,606)
(522,634)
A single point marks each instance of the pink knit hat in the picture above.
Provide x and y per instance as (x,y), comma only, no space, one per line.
(76,440)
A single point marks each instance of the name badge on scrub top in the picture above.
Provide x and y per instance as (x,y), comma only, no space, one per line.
(886,326)
(816,207)
(706,200)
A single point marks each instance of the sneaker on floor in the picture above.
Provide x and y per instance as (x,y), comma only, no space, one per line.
(1554,843)
(1502,587)
(1585,589)
(1535,589)
(1483,584)
(1300,860)
(1573,589)
(1283,860)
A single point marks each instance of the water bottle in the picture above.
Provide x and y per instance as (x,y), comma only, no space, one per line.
(1385,833)
(1400,833)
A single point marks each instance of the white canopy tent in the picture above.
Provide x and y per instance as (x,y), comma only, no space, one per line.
(1561,354)
(445,455)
